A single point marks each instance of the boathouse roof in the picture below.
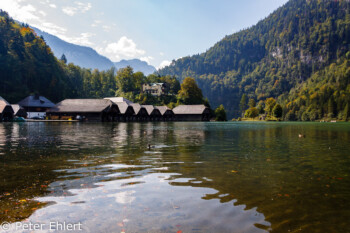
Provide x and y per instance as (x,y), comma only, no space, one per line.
(119,100)
(190,109)
(4,105)
(18,110)
(82,105)
(36,101)
(163,109)
(124,107)
(137,108)
(151,110)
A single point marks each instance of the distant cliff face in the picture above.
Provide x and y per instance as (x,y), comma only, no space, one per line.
(88,58)
(279,57)
(137,65)
(79,55)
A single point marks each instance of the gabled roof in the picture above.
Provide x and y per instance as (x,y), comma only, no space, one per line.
(119,100)
(3,104)
(163,109)
(123,107)
(36,101)
(82,105)
(190,109)
(137,108)
(16,108)
(123,104)
(151,110)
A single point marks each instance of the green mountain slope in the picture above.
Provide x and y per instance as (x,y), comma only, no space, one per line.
(279,57)
(27,64)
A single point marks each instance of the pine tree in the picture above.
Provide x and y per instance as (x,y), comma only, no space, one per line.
(64,59)
(220,113)
(252,103)
(346,112)
(330,107)
(243,103)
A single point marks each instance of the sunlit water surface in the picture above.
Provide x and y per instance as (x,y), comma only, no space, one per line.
(197,177)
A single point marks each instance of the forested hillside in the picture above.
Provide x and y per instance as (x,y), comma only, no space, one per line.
(299,55)
(28,65)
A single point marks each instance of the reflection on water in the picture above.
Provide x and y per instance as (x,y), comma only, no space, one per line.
(197,177)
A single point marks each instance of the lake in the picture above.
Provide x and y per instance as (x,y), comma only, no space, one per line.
(196,177)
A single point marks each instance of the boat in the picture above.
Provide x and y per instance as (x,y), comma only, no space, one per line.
(19,119)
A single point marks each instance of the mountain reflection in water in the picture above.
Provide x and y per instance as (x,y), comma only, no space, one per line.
(197,177)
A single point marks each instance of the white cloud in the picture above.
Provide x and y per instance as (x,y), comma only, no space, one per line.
(163,64)
(50,28)
(78,7)
(84,7)
(125,48)
(69,10)
(44,2)
(83,39)
(96,23)
(19,10)
(106,28)
(42,13)
(147,59)
(161,54)
(53,5)
(27,13)
(125,197)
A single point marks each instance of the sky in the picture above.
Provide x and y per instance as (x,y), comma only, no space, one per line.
(155,31)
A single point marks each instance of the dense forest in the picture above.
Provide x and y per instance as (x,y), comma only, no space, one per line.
(27,66)
(298,55)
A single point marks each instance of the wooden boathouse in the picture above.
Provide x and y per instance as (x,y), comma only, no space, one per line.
(36,105)
(140,112)
(6,111)
(166,112)
(192,113)
(84,109)
(18,111)
(153,113)
(126,111)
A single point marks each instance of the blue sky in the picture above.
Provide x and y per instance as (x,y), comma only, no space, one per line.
(156,31)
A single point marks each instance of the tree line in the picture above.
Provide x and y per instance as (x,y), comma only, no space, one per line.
(299,55)
(27,66)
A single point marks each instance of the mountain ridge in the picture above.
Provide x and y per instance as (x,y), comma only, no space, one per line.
(137,65)
(87,57)
(273,57)
(82,56)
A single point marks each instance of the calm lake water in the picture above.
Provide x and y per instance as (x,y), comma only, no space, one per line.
(197,177)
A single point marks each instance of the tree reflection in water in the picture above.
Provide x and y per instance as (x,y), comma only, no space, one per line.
(204,177)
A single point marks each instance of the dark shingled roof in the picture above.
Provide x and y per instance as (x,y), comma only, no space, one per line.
(190,109)
(163,109)
(36,102)
(4,104)
(82,105)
